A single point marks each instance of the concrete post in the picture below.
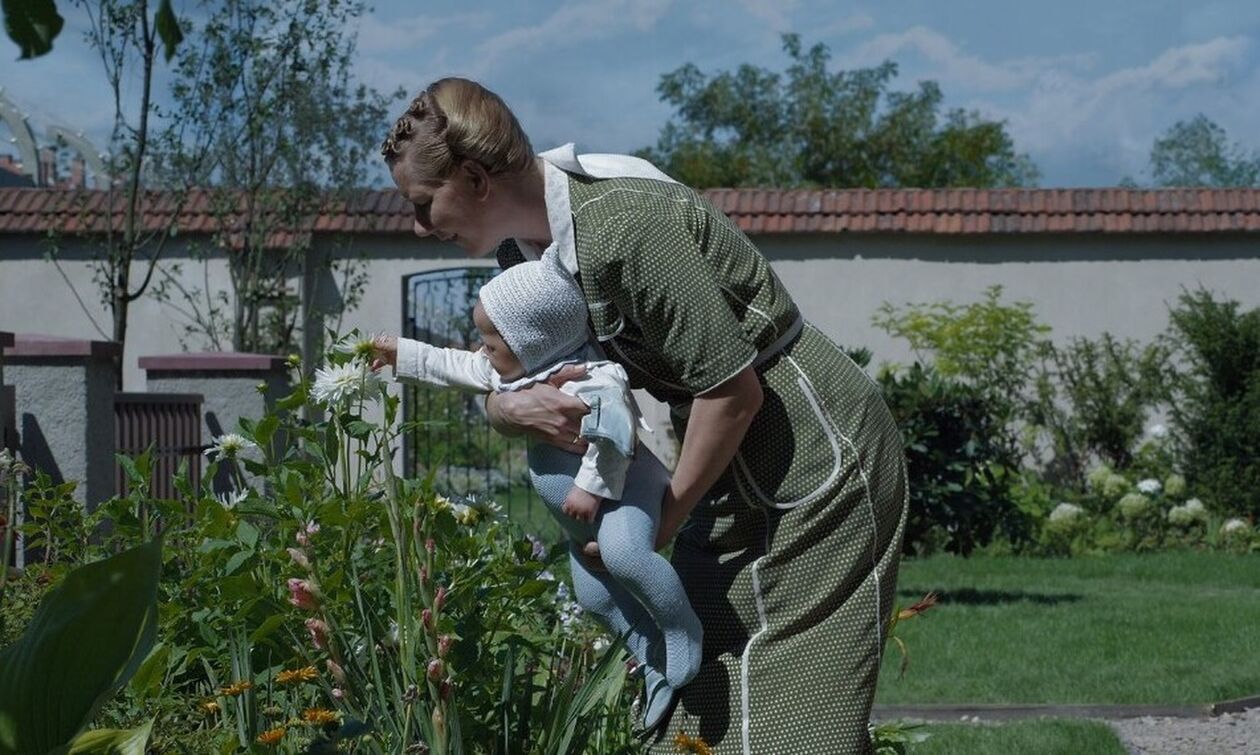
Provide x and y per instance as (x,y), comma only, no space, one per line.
(64,388)
(8,419)
(230,384)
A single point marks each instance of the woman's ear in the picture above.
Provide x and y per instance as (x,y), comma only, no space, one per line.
(477,178)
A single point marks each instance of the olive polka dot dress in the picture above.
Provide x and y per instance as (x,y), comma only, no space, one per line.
(791,559)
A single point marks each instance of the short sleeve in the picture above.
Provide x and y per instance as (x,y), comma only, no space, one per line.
(655,274)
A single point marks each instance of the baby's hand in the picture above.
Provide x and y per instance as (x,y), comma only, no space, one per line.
(384,352)
(581,505)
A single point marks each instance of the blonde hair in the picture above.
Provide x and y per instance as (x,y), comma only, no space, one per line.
(457,119)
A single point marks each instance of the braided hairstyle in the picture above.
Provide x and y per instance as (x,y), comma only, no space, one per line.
(456,119)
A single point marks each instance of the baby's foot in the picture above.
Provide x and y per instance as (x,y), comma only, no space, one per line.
(658,698)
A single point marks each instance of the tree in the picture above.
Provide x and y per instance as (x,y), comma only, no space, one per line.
(126,39)
(812,127)
(268,92)
(1198,153)
(34,24)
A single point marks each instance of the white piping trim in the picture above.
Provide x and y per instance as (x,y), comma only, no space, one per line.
(753,309)
(624,190)
(829,429)
(745,702)
(870,503)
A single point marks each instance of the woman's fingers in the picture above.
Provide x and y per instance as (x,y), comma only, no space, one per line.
(590,556)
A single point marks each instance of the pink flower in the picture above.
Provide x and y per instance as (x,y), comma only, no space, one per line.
(300,558)
(303,535)
(430,546)
(337,693)
(444,645)
(436,669)
(303,593)
(426,617)
(439,600)
(319,633)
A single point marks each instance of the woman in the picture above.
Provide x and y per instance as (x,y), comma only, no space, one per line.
(789,497)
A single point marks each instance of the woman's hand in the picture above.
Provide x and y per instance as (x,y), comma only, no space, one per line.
(384,352)
(542,411)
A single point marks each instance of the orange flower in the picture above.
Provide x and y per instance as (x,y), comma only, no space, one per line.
(927,602)
(208,707)
(235,688)
(271,737)
(319,716)
(297,676)
(684,743)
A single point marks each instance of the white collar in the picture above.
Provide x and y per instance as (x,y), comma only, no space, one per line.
(557,164)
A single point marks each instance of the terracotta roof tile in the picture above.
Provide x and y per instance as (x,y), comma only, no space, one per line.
(949,211)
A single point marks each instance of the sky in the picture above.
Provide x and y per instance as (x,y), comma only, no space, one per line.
(1084,86)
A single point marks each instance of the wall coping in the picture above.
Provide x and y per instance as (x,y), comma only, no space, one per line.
(216,361)
(30,345)
(6,340)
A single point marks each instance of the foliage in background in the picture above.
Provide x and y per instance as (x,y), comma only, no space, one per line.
(812,127)
(1092,399)
(1214,401)
(958,471)
(270,120)
(1198,153)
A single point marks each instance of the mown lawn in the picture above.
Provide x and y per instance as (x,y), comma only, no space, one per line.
(1164,628)
(1041,737)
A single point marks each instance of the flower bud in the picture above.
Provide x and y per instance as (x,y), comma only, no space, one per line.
(439,600)
(337,693)
(335,670)
(426,617)
(439,721)
(444,690)
(436,670)
(300,558)
(319,633)
(303,593)
(430,546)
(444,644)
(424,576)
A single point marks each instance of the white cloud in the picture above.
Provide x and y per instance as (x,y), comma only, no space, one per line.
(949,63)
(389,35)
(846,25)
(775,13)
(573,23)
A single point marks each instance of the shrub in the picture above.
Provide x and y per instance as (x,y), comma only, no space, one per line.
(1092,398)
(1214,399)
(960,473)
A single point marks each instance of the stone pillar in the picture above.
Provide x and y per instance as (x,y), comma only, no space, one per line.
(8,416)
(229,383)
(64,390)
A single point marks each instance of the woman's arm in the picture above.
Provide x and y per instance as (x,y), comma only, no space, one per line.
(716,426)
(542,411)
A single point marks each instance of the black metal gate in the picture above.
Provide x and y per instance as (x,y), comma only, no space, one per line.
(455,443)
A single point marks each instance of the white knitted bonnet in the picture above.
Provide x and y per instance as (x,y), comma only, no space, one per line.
(539,309)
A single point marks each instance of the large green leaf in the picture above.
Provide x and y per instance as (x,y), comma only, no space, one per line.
(168,29)
(86,640)
(112,741)
(32,24)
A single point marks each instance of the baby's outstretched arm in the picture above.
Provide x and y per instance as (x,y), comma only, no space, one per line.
(447,368)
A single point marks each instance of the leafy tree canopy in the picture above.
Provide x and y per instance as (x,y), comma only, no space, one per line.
(1198,153)
(812,127)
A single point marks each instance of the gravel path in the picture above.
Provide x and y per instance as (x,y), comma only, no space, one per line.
(1226,734)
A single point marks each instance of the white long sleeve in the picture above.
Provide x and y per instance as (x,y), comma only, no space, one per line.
(446,368)
(603,470)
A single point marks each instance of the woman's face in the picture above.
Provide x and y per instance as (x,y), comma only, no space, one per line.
(452,210)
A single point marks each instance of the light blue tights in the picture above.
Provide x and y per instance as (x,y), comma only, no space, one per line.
(640,595)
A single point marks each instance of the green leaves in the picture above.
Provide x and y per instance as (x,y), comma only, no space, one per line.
(168,30)
(89,636)
(112,741)
(32,25)
(809,126)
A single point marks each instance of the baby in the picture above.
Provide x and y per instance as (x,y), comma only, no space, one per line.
(532,320)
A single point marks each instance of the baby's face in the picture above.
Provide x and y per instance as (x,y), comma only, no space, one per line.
(501,357)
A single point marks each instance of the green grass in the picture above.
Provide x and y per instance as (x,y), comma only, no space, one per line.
(1046,737)
(1164,628)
